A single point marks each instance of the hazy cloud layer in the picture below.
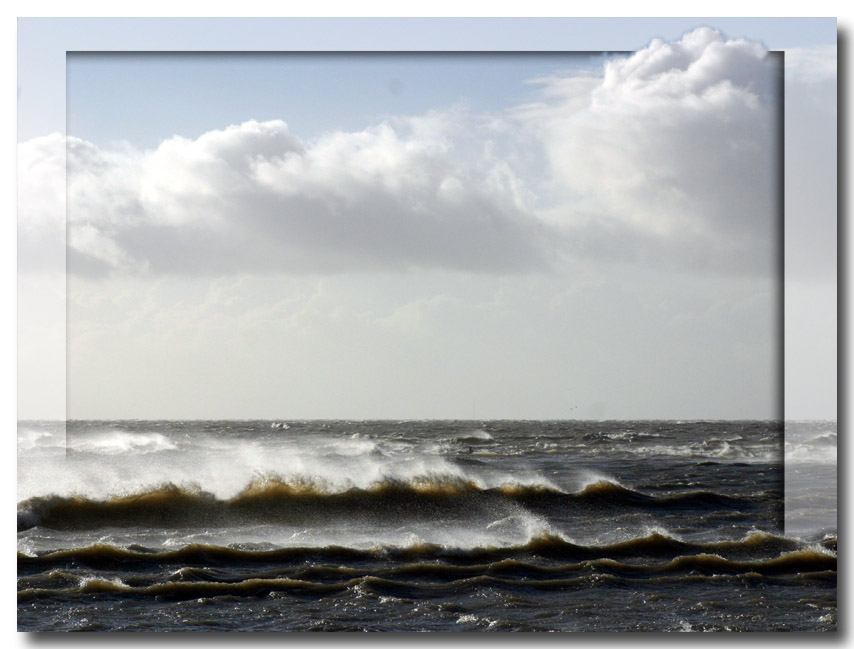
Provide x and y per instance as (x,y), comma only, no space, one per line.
(811,138)
(666,157)
(816,64)
(640,343)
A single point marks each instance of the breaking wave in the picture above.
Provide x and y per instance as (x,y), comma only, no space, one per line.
(271,500)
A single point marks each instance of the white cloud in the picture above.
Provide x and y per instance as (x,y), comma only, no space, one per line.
(41,186)
(41,204)
(671,154)
(254,198)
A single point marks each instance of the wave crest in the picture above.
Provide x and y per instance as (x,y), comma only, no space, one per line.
(271,500)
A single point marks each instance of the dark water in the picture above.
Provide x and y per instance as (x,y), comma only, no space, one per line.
(410,526)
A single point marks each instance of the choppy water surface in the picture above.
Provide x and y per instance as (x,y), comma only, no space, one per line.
(409,526)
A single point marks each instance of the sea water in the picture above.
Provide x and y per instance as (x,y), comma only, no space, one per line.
(425,526)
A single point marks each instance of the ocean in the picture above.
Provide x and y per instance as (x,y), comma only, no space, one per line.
(426,526)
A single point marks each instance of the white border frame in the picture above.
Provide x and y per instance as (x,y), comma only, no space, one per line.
(43,43)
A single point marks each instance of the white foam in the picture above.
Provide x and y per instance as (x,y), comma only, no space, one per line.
(521,528)
(114,442)
(40,439)
(588,477)
(821,453)
(224,466)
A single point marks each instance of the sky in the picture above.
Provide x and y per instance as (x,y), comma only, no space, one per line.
(421,236)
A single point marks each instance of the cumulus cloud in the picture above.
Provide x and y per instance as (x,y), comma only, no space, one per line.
(671,154)
(665,156)
(255,198)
